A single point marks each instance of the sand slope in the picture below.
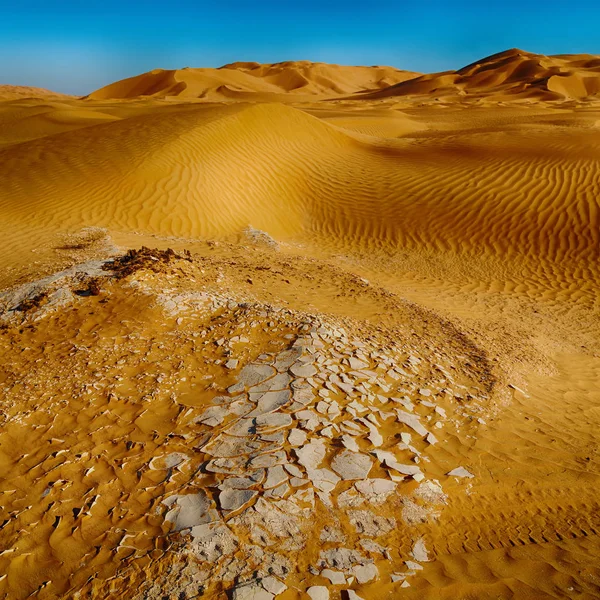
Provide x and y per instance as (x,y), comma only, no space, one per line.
(513,74)
(213,171)
(235,79)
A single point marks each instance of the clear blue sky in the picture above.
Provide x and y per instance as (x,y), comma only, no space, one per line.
(76,47)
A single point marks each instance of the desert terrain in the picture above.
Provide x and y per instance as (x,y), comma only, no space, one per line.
(303,331)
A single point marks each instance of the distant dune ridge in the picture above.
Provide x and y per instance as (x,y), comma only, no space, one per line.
(248,78)
(509,75)
(15,92)
(513,74)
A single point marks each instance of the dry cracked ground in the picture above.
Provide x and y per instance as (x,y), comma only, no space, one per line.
(178,426)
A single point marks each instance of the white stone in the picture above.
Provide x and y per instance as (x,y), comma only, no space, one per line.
(273,585)
(254,374)
(412,421)
(275,476)
(419,551)
(349,442)
(297,437)
(335,577)
(351,465)
(273,421)
(270,402)
(365,573)
(460,472)
(311,455)
(301,370)
(318,592)
(232,499)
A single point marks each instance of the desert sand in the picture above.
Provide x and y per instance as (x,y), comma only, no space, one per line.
(301,330)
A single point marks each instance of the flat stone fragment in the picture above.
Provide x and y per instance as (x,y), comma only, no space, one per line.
(190,510)
(302,370)
(287,358)
(413,566)
(273,421)
(350,442)
(351,465)
(335,577)
(167,461)
(318,592)
(279,382)
(230,466)
(242,483)
(297,437)
(431,439)
(275,476)
(294,470)
(419,551)
(241,428)
(323,479)
(236,388)
(228,447)
(213,415)
(252,591)
(303,396)
(340,558)
(352,595)
(264,461)
(365,573)
(356,364)
(412,421)
(232,499)
(273,585)
(373,547)
(253,374)
(311,455)
(232,363)
(270,402)
(460,472)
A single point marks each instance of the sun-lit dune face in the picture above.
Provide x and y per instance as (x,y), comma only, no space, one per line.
(200,171)
(510,75)
(253,81)
(305,326)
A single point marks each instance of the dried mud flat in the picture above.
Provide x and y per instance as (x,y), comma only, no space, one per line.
(165,435)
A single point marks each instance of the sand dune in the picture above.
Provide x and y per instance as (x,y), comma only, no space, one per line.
(213,171)
(232,80)
(510,75)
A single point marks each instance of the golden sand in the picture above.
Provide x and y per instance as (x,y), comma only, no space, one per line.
(454,217)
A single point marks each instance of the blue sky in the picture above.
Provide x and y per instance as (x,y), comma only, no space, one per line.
(76,47)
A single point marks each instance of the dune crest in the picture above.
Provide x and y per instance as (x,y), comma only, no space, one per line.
(291,77)
(510,75)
